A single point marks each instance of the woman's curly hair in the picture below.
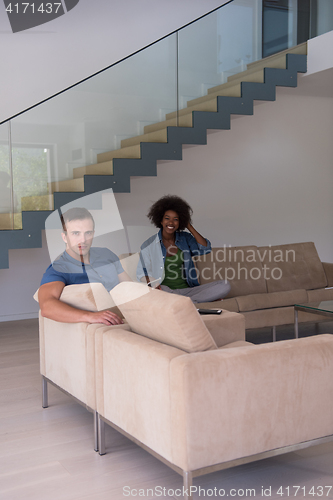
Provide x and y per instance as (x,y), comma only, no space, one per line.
(169,202)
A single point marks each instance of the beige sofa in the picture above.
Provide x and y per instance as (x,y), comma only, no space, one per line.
(188,388)
(67,350)
(266,282)
(200,400)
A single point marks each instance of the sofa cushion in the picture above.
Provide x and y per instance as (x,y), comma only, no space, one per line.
(228,304)
(238,343)
(241,266)
(88,296)
(165,317)
(269,300)
(293,267)
(320,294)
(262,318)
(130,261)
(328,268)
(226,327)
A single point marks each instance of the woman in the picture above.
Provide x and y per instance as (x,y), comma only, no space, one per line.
(166,258)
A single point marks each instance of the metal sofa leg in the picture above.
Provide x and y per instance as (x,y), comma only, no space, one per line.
(274,333)
(96,430)
(45,399)
(187,484)
(101,436)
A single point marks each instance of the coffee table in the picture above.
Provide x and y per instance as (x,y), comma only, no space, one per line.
(325,308)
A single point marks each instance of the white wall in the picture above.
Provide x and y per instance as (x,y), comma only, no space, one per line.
(266,181)
(39,62)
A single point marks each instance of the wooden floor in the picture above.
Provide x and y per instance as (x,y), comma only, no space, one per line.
(47,454)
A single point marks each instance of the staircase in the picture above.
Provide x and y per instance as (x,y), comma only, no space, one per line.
(160,141)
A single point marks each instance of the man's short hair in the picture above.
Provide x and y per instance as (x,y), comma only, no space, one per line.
(76,213)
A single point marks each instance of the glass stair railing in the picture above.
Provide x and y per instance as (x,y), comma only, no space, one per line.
(157,132)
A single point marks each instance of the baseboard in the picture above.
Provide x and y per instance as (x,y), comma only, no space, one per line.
(17,317)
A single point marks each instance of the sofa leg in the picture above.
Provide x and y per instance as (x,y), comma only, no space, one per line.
(187,484)
(45,399)
(96,430)
(101,436)
(274,333)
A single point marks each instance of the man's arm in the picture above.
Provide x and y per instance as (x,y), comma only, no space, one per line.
(195,242)
(52,308)
(145,264)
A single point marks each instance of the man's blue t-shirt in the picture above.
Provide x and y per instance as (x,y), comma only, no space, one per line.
(104,268)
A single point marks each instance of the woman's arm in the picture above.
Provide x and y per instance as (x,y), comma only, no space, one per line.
(199,239)
(142,269)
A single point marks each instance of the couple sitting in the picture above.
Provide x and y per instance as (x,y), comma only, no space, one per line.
(165,262)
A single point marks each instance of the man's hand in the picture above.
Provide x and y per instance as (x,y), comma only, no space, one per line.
(106,317)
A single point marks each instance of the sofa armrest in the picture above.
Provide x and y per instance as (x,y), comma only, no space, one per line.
(233,403)
(133,386)
(225,328)
(328,268)
(67,356)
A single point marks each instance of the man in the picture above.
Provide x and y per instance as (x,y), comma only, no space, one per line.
(79,264)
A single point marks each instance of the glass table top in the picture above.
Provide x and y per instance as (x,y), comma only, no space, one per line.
(325,306)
